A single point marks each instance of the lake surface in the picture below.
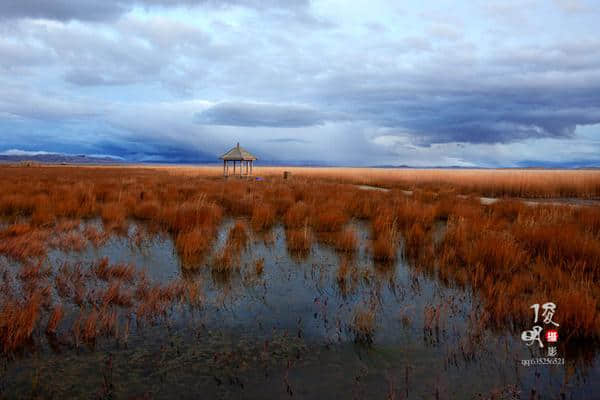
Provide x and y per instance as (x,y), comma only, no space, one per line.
(290,331)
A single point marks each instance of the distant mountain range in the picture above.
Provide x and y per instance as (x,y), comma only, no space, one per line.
(51,158)
(56,158)
(538,166)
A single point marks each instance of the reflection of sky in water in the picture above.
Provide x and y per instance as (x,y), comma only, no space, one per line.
(300,300)
(156,255)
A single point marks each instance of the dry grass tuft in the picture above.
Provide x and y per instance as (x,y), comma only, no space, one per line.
(192,246)
(346,265)
(34,272)
(71,241)
(299,240)
(22,242)
(86,327)
(329,218)
(190,215)
(296,216)
(96,237)
(56,316)
(414,240)
(384,248)
(116,295)
(228,257)
(263,217)
(238,236)
(104,271)
(42,216)
(224,260)
(18,320)
(363,324)
(346,240)
(147,210)
(113,215)
(259,266)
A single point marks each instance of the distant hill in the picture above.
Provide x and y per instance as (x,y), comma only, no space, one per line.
(205,158)
(58,159)
(425,167)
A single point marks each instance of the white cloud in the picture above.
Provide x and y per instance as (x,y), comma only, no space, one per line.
(17,152)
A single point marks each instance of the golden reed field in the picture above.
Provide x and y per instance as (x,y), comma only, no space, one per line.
(527,183)
(508,253)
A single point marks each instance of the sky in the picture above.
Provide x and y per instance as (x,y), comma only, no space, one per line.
(486,83)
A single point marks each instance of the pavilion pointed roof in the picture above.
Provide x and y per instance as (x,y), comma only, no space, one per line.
(238,153)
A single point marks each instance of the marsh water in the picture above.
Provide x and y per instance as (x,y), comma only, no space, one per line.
(290,331)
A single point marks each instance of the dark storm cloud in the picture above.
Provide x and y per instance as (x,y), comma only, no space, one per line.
(62,10)
(530,93)
(287,140)
(489,117)
(144,149)
(94,10)
(268,115)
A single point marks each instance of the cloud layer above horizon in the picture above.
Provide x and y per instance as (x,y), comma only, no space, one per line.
(479,83)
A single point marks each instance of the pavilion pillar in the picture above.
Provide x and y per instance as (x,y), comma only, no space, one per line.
(234,167)
(251,164)
(224,162)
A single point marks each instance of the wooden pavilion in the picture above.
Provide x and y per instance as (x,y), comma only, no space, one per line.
(241,155)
